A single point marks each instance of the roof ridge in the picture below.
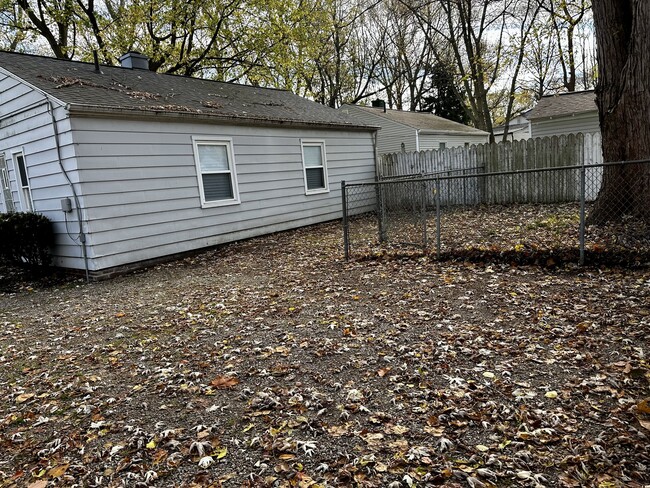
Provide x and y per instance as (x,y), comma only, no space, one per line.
(118,67)
(398,116)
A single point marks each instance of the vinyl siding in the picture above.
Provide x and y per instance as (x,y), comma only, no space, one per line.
(392,134)
(142,195)
(26,125)
(432,141)
(571,124)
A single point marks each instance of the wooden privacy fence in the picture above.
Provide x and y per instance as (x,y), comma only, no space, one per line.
(504,157)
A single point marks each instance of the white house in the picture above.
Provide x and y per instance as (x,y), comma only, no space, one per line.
(518,129)
(564,113)
(414,131)
(132,166)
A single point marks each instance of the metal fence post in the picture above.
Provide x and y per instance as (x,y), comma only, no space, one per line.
(346,230)
(583,197)
(381,215)
(437,217)
(423,205)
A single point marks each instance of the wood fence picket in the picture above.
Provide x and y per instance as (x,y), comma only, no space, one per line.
(543,187)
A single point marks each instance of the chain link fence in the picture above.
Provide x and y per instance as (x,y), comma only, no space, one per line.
(549,214)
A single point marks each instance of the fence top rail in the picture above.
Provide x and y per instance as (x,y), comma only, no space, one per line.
(432,173)
(418,178)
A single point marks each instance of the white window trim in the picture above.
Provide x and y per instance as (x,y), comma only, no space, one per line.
(219,141)
(321,143)
(24,192)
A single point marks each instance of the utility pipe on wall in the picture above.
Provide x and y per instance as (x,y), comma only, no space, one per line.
(82,235)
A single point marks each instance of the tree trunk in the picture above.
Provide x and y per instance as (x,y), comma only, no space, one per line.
(623,98)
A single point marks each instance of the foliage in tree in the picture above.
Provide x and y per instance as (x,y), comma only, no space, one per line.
(333,51)
(541,62)
(53,20)
(442,97)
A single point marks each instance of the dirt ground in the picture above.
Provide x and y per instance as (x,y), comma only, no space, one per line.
(273,362)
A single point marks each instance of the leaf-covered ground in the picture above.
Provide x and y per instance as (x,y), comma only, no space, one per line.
(273,362)
(545,234)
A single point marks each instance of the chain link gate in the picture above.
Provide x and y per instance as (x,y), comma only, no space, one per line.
(402,214)
(398,209)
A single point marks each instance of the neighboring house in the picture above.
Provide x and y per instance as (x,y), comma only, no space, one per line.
(414,131)
(132,166)
(565,113)
(518,129)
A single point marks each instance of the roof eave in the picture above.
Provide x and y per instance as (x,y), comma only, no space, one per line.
(45,94)
(378,112)
(108,111)
(476,132)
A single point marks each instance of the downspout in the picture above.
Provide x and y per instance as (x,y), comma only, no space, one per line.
(378,174)
(417,140)
(82,236)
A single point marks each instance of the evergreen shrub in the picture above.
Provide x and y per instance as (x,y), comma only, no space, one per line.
(25,239)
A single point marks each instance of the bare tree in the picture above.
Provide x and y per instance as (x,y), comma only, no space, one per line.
(524,15)
(540,63)
(348,56)
(475,32)
(408,59)
(565,18)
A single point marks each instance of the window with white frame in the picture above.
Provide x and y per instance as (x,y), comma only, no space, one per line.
(314,162)
(215,168)
(23,182)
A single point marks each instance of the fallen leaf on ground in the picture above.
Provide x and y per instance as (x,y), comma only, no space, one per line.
(224,382)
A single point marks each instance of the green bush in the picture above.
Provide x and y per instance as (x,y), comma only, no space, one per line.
(25,239)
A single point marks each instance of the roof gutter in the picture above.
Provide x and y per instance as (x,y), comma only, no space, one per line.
(94,110)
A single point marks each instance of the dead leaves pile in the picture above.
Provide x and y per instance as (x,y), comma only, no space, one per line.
(273,363)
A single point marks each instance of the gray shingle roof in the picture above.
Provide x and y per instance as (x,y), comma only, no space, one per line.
(564,104)
(426,122)
(135,90)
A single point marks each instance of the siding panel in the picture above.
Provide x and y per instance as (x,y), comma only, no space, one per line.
(391,135)
(142,195)
(432,141)
(585,123)
(26,125)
